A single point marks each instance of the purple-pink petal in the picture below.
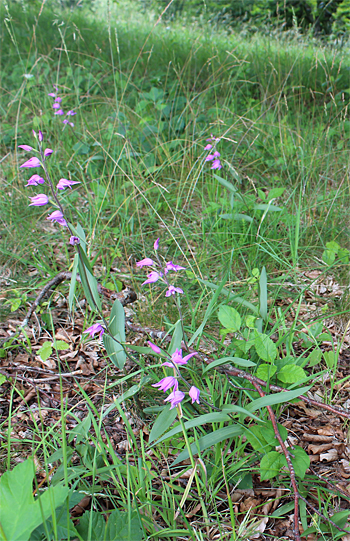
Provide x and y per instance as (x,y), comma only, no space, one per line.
(147,262)
(52,94)
(71,113)
(208,147)
(39,200)
(56,106)
(156,244)
(152,278)
(74,240)
(175,398)
(155,348)
(171,266)
(32,162)
(216,164)
(58,217)
(173,290)
(40,136)
(35,180)
(26,147)
(166,383)
(58,99)
(194,394)
(48,152)
(65,183)
(188,357)
(216,154)
(59,112)
(209,158)
(95,329)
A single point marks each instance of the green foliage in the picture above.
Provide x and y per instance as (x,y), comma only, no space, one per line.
(20,512)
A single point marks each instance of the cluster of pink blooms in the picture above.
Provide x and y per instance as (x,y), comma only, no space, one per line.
(156,275)
(57,108)
(215,156)
(42,199)
(171,382)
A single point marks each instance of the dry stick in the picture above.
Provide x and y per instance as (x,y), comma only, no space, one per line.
(126,296)
(289,463)
(322,516)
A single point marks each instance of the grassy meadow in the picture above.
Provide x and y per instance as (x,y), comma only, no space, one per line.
(274,219)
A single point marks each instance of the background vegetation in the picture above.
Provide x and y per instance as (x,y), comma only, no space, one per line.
(273,83)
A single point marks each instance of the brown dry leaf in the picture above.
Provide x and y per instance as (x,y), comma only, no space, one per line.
(259,527)
(330,456)
(249,503)
(317,449)
(21,358)
(317,438)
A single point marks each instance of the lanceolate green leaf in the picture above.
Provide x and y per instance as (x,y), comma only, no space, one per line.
(114,348)
(176,339)
(230,296)
(211,439)
(162,423)
(88,281)
(263,294)
(278,398)
(73,282)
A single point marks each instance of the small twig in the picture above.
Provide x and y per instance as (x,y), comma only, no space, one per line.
(126,296)
(327,519)
(289,463)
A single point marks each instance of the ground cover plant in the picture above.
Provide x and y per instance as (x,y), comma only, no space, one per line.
(174,275)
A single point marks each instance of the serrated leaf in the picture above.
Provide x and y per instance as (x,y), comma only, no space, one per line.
(20,514)
(45,351)
(266,371)
(265,348)
(291,373)
(61,345)
(270,465)
(229,318)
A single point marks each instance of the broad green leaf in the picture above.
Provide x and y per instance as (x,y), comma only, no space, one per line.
(315,357)
(301,461)
(274,193)
(265,348)
(228,360)
(291,373)
(330,357)
(229,318)
(266,371)
(60,345)
(263,294)
(209,440)
(116,326)
(333,246)
(73,282)
(328,257)
(278,398)
(162,423)
(270,465)
(20,514)
(226,184)
(91,526)
(257,441)
(45,351)
(123,527)
(176,339)
(268,433)
(267,207)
